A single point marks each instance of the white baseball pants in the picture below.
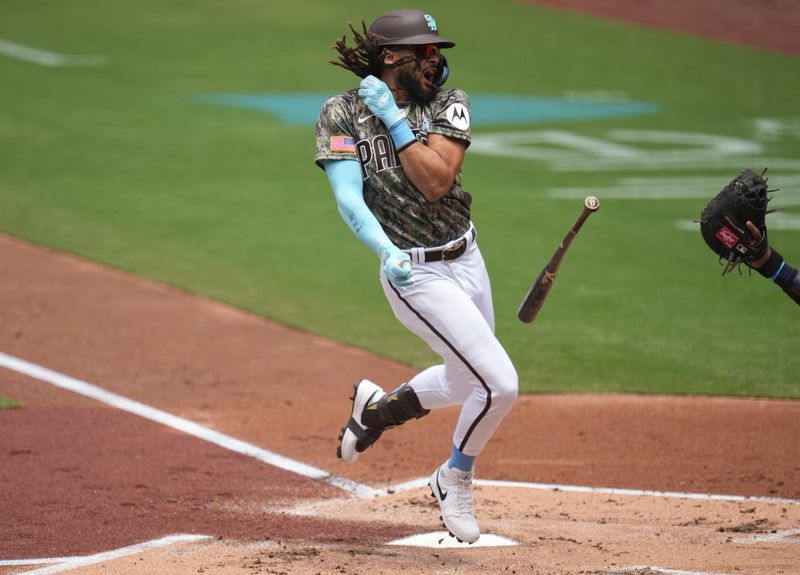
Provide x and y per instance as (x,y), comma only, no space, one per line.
(450,307)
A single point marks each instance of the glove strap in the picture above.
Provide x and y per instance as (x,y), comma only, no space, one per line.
(402,136)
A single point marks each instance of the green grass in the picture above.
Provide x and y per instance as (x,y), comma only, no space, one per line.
(8,403)
(120,165)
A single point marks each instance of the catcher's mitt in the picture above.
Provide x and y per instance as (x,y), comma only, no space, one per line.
(723,221)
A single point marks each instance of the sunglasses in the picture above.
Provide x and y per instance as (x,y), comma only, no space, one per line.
(427,51)
(422,51)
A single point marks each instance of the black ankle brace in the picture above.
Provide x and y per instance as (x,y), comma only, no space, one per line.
(393,409)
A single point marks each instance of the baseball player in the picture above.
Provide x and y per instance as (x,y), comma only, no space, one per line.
(392,150)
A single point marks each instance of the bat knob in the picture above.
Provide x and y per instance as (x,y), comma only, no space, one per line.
(591,203)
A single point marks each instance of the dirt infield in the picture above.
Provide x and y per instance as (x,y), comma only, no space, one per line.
(81,477)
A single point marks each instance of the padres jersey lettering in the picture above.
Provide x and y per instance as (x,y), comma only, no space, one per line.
(408,219)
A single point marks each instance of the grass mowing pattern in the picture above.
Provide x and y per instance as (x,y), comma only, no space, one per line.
(120,165)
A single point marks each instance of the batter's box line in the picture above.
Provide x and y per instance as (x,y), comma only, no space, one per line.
(784,536)
(664,570)
(356,489)
(179,423)
(59,564)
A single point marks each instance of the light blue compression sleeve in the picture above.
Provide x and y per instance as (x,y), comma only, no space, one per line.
(345,179)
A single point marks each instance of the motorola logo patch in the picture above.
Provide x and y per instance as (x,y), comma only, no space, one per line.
(458,115)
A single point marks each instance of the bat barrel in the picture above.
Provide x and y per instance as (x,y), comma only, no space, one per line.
(530,306)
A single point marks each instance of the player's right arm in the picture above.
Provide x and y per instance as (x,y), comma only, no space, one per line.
(431,168)
(345,179)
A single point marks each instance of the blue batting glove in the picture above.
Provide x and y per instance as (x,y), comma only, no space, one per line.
(379,99)
(397,267)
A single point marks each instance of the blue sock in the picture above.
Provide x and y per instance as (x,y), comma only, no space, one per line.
(460,461)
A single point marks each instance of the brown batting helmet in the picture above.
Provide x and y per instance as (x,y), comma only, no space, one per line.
(407,27)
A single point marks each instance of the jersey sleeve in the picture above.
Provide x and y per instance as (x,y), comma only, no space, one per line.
(452,116)
(335,132)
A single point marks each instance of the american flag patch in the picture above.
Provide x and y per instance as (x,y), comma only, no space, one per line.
(342,144)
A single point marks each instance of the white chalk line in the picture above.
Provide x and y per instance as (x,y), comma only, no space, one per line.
(44,58)
(784,536)
(189,427)
(43,561)
(66,563)
(637,492)
(633,570)
(356,489)
(423,481)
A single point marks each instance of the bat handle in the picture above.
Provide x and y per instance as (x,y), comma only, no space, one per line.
(534,300)
(590,205)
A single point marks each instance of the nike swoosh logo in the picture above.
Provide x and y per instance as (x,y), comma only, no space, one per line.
(442,496)
(365,118)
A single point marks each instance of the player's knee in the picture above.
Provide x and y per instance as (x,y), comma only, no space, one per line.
(505,387)
(505,396)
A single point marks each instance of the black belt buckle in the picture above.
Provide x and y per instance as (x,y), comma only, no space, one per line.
(454,251)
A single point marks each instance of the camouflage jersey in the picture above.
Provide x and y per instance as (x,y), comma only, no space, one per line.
(347,130)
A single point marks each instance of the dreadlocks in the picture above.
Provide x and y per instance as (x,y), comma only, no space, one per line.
(363,59)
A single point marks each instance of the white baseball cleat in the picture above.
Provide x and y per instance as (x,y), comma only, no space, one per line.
(356,437)
(452,488)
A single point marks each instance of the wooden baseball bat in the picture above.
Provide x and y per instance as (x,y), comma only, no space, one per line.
(534,300)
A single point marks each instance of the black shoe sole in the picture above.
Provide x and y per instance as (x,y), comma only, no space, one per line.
(341,436)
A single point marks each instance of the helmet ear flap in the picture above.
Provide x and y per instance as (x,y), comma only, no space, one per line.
(442,72)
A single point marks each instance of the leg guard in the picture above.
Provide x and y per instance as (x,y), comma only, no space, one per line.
(364,437)
(393,409)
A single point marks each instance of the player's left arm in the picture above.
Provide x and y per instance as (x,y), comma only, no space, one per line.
(772,265)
